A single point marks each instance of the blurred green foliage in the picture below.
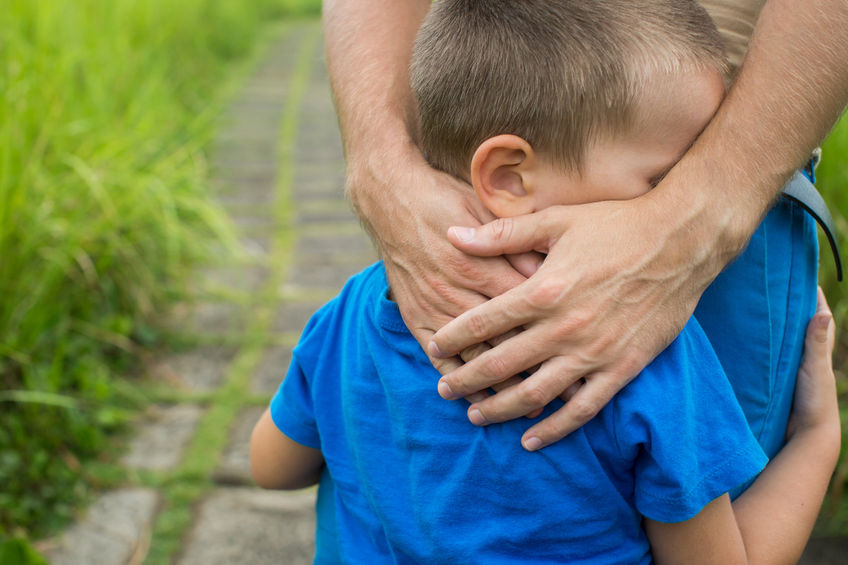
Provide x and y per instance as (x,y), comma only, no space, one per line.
(106,107)
(833,183)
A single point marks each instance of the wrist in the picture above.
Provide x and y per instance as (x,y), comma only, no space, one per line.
(372,167)
(713,208)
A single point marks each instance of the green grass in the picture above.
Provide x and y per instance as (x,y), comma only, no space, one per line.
(106,112)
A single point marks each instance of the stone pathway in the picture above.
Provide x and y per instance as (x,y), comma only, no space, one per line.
(279,173)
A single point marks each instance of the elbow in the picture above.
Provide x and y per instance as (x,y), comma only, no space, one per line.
(284,482)
(263,479)
(281,477)
(279,463)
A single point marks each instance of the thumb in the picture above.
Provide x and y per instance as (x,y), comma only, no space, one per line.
(820,329)
(519,234)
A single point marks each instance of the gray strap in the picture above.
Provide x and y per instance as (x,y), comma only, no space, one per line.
(799,189)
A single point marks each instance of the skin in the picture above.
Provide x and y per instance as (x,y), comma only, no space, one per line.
(594,322)
(602,321)
(770,522)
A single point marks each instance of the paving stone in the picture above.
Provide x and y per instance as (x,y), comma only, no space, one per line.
(114,531)
(234,467)
(245,525)
(334,243)
(263,178)
(226,164)
(253,221)
(325,216)
(318,189)
(335,257)
(292,316)
(330,277)
(213,317)
(248,189)
(160,440)
(201,369)
(316,206)
(241,278)
(256,247)
(271,370)
(238,151)
(245,198)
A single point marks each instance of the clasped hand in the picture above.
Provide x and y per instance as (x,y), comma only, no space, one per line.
(610,295)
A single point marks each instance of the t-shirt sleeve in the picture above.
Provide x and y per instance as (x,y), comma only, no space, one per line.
(688,435)
(293,410)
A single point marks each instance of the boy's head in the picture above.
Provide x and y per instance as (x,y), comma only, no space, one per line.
(521,96)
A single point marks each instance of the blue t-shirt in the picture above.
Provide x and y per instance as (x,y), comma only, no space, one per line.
(409,480)
(756,314)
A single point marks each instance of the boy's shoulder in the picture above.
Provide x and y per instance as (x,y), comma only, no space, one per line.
(686,374)
(683,428)
(360,303)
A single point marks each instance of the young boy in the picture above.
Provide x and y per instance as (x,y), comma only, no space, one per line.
(603,98)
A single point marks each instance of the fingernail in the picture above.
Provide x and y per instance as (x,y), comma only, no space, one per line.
(477,417)
(434,350)
(445,390)
(463,234)
(532,443)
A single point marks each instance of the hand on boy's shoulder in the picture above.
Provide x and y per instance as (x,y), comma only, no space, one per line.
(582,318)
(431,280)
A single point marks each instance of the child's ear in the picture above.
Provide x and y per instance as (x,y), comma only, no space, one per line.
(501,173)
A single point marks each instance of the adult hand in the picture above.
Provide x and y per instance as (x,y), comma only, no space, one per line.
(431,280)
(590,322)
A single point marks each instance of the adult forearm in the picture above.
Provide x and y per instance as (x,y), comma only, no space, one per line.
(792,87)
(369,45)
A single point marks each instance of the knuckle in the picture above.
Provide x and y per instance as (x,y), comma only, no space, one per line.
(583,409)
(532,394)
(445,366)
(502,229)
(574,328)
(496,367)
(545,294)
(471,353)
(478,326)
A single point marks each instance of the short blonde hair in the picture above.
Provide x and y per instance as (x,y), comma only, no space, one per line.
(556,73)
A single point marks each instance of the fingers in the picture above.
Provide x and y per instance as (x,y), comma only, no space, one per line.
(819,341)
(528,396)
(470,354)
(820,328)
(475,351)
(488,320)
(508,359)
(533,232)
(584,405)
(526,263)
(442,364)
(511,382)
